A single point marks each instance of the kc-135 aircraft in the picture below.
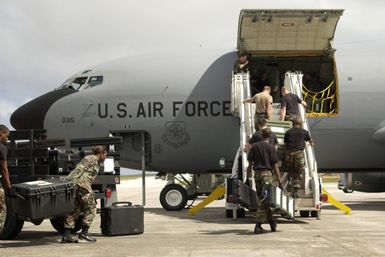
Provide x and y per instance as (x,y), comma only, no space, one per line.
(184,106)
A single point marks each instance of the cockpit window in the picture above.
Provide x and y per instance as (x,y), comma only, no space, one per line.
(93,82)
(78,82)
(82,83)
(66,83)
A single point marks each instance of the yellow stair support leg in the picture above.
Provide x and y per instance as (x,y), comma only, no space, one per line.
(218,192)
(336,203)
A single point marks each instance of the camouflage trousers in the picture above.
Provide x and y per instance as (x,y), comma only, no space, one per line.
(294,165)
(257,118)
(85,204)
(290,117)
(262,180)
(2,208)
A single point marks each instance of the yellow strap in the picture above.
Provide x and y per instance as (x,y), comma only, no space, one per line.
(336,203)
(217,193)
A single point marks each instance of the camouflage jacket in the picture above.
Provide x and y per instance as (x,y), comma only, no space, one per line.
(85,172)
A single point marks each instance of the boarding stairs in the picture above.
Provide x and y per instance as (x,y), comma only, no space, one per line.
(311,189)
(240,90)
(244,195)
(308,201)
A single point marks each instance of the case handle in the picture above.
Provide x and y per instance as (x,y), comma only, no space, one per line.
(125,203)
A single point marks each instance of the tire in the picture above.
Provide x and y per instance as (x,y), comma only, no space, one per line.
(58,224)
(315,214)
(304,214)
(173,197)
(12,227)
(241,213)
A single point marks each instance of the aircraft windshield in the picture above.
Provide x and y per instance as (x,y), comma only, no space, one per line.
(92,82)
(78,82)
(82,83)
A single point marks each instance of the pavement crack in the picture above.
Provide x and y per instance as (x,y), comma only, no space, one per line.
(335,243)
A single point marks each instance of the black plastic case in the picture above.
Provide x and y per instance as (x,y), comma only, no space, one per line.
(122,218)
(44,198)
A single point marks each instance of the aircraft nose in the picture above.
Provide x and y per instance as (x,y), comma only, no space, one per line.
(31,115)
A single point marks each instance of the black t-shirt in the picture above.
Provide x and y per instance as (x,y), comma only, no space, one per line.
(291,101)
(3,152)
(238,69)
(257,136)
(3,155)
(263,156)
(295,139)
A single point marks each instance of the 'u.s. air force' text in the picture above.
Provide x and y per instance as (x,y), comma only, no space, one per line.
(158,109)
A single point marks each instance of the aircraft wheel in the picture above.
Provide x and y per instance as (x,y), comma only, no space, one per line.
(58,224)
(304,214)
(173,197)
(12,225)
(241,213)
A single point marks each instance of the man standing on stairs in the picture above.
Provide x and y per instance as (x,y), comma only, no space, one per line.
(263,105)
(295,142)
(263,158)
(257,136)
(289,104)
(242,65)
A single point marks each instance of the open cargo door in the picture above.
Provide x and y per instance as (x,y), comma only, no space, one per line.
(278,41)
(287,32)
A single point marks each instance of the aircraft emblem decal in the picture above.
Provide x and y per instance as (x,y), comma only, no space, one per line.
(176,134)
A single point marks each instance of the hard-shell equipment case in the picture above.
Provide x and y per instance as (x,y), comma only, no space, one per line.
(44,198)
(122,218)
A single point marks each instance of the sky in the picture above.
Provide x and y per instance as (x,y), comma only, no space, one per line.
(44,42)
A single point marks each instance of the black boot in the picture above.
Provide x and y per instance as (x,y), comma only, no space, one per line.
(273,225)
(67,238)
(258,228)
(85,236)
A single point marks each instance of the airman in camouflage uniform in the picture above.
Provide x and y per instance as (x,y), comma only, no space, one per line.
(263,179)
(263,158)
(83,176)
(294,163)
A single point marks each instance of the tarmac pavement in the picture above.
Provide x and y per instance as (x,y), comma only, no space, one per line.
(210,233)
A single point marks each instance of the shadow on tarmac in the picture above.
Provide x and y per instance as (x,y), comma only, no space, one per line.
(361,206)
(214,215)
(39,238)
(32,238)
(240,232)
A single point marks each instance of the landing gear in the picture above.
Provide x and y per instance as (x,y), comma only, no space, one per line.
(342,185)
(11,227)
(173,197)
(347,190)
(58,224)
(179,189)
